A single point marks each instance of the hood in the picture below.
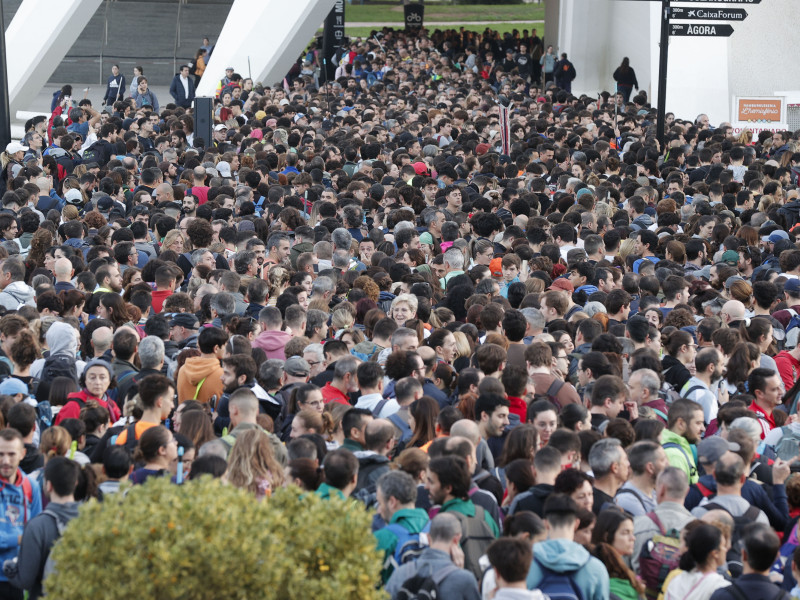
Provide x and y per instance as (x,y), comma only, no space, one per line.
(74,242)
(368,458)
(303,247)
(66,511)
(20,290)
(271,341)
(62,338)
(561,555)
(197,368)
(643,220)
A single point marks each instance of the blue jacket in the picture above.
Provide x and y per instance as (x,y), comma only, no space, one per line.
(561,556)
(16,509)
(178,93)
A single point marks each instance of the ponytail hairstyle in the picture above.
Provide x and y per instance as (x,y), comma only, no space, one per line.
(308,472)
(701,541)
(150,443)
(300,394)
(523,521)
(55,441)
(753,329)
(322,424)
(674,340)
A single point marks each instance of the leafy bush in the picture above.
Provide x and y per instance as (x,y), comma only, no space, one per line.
(205,540)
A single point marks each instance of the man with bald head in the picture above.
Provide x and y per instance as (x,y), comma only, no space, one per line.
(373,461)
(63,271)
(199,189)
(101,340)
(164,193)
(732,313)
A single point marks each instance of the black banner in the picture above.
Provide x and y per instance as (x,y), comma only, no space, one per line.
(333,40)
(414,14)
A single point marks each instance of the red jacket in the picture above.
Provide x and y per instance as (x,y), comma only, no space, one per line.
(76,401)
(334,394)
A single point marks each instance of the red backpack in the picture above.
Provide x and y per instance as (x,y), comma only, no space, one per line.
(659,555)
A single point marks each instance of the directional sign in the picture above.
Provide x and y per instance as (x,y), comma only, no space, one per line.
(707,14)
(684,29)
(724,1)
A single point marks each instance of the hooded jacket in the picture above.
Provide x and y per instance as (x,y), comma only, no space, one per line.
(195,370)
(62,338)
(371,466)
(683,457)
(16,509)
(76,401)
(17,294)
(412,520)
(791,211)
(297,250)
(273,343)
(37,541)
(532,500)
(564,556)
(641,222)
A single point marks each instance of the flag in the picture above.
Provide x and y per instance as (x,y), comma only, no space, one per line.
(286,87)
(505,130)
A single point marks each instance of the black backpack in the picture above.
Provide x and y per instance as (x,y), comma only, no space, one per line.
(734,556)
(55,365)
(476,536)
(424,587)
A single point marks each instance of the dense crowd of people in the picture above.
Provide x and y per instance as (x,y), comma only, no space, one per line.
(567,370)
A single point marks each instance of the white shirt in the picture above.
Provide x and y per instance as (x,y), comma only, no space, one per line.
(370,401)
(185,82)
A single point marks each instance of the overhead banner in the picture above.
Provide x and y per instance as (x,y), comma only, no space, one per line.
(759,113)
(415,12)
(333,39)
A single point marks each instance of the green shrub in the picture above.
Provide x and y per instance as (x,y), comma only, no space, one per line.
(205,540)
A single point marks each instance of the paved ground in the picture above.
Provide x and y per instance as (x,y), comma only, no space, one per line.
(436,23)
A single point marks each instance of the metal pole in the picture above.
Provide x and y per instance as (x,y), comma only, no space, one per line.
(662,72)
(5,109)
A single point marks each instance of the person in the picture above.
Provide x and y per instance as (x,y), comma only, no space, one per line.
(685,426)
(564,73)
(705,553)
(21,500)
(396,497)
(548,63)
(611,469)
(761,546)
(613,542)
(730,474)
(436,562)
(157,452)
(115,87)
(625,77)
(200,377)
(95,382)
(156,394)
(182,88)
(341,474)
(561,555)
(42,531)
(253,466)
(637,496)
(511,559)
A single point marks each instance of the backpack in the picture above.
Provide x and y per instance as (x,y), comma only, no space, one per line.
(668,393)
(476,535)
(734,557)
(57,365)
(691,390)
(130,440)
(49,565)
(792,330)
(787,447)
(659,555)
(689,462)
(379,407)
(409,545)
(552,392)
(404,428)
(558,586)
(424,587)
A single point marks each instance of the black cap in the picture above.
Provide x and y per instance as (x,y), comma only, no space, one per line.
(187,320)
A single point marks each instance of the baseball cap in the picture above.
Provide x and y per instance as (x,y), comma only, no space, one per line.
(187,320)
(297,366)
(481,149)
(563,284)
(13,386)
(74,196)
(224,169)
(105,203)
(731,280)
(14,147)
(426,238)
(792,286)
(220,127)
(420,168)
(775,236)
(712,448)
(731,257)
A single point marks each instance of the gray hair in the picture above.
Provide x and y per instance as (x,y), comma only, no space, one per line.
(429,215)
(323,250)
(604,454)
(270,316)
(534,317)
(214,448)
(269,374)
(275,239)
(403,225)
(454,258)
(322,286)
(750,426)
(341,259)
(151,352)
(197,255)
(675,483)
(345,365)
(649,380)
(444,527)
(399,485)
(223,303)
(315,318)
(341,238)
(401,333)
(641,453)
(316,349)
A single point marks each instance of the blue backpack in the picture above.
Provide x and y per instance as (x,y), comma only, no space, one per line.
(409,545)
(558,586)
(407,433)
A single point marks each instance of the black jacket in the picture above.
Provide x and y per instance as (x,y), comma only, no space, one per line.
(533,499)
(751,586)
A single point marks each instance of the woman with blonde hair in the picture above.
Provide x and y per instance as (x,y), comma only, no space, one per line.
(351,337)
(310,420)
(626,248)
(253,466)
(278,281)
(342,318)
(743,292)
(334,437)
(174,241)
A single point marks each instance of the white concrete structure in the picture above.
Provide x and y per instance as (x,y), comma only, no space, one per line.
(34,51)
(270,33)
(704,74)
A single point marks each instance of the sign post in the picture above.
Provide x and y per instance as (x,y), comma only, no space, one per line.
(414,14)
(5,109)
(332,39)
(662,73)
(689,30)
(683,13)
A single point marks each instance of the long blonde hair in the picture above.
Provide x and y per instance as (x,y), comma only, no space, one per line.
(252,462)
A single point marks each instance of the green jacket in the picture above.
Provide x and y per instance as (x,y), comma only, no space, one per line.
(683,458)
(352,445)
(413,520)
(622,589)
(297,250)
(467,508)
(326,491)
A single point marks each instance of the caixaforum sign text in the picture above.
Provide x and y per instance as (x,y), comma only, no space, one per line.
(759,113)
